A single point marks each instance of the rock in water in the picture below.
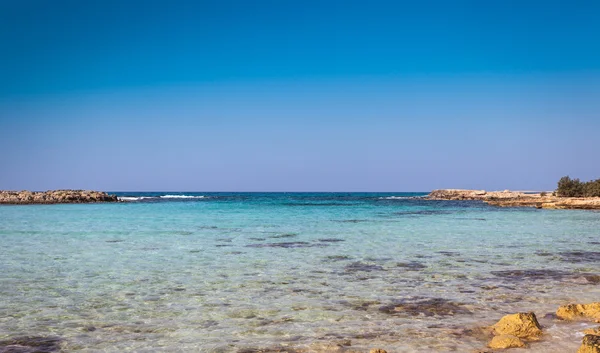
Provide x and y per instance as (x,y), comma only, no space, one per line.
(377,350)
(55,196)
(506,341)
(579,311)
(592,331)
(521,325)
(590,344)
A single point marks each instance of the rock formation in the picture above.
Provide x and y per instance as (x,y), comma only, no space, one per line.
(521,325)
(579,311)
(508,198)
(506,341)
(590,344)
(54,196)
(592,331)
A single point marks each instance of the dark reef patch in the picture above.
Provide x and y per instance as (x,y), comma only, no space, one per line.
(580,256)
(284,235)
(287,245)
(423,306)
(362,267)
(350,220)
(333,258)
(411,266)
(449,253)
(31,344)
(593,279)
(114,241)
(331,240)
(258,239)
(520,275)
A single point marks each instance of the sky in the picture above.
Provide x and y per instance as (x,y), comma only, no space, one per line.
(298,95)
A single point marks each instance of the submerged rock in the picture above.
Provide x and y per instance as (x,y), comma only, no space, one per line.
(579,311)
(419,306)
(332,347)
(590,344)
(521,325)
(506,341)
(31,344)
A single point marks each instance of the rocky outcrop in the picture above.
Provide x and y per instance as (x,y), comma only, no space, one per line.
(54,196)
(579,311)
(506,341)
(508,198)
(513,330)
(456,194)
(590,344)
(521,325)
(592,331)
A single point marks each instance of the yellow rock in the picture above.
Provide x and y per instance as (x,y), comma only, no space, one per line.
(521,325)
(377,350)
(506,341)
(590,344)
(579,311)
(592,331)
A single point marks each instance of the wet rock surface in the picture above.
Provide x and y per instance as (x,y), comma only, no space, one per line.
(506,341)
(590,344)
(592,331)
(31,344)
(579,311)
(521,325)
(54,196)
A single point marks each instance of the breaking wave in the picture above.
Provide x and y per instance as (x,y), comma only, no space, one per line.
(180,197)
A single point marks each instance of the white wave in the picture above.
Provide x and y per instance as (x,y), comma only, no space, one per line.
(401,197)
(131,198)
(181,197)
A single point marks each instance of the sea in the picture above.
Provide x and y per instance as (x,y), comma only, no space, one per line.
(289,272)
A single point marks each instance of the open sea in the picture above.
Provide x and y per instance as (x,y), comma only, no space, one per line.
(271,272)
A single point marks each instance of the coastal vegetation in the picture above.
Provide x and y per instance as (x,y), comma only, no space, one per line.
(568,187)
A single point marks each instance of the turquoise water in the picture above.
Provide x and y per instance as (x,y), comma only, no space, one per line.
(221,272)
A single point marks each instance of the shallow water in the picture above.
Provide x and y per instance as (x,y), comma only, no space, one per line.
(239,272)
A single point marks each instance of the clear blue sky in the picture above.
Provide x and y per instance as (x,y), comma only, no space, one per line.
(298,95)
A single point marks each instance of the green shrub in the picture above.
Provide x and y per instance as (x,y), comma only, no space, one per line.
(592,188)
(568,187)
(543,193)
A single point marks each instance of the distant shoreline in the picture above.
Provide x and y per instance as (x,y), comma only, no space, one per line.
(54,197)
(508,198)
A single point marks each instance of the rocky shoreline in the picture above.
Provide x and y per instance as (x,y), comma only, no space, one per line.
(508,198)
(54,197)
